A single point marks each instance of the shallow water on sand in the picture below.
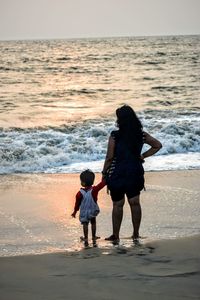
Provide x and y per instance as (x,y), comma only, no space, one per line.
(36,211)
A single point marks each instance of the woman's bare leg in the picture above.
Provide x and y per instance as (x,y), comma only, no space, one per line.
(136,214)
(117,215)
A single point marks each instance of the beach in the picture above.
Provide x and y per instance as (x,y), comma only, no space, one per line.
(159,268)
(57,113)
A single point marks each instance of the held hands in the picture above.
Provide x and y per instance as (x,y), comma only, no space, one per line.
(103,175)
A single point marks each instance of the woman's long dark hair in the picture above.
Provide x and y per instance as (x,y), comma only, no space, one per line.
(130,128)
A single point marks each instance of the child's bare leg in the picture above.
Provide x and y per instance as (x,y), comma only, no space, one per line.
(93,227)
(85,232)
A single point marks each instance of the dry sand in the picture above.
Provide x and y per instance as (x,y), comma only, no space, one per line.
(165,269)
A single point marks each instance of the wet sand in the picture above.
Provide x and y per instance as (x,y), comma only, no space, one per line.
(159,269)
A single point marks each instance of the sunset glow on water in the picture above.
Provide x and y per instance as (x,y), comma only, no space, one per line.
(36,212)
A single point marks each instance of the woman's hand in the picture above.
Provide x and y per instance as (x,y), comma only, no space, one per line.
(154,143)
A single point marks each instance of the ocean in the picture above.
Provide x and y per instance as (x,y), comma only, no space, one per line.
(57,108)
(58,100)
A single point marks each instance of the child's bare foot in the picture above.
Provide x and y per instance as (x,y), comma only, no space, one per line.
(94,238)
(84,240)
(86,244)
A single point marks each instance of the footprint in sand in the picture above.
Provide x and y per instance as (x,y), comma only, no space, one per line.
(164,267)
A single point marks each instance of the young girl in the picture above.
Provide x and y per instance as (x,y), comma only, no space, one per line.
(86,201)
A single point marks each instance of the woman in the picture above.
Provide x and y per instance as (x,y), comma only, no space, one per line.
(123,168)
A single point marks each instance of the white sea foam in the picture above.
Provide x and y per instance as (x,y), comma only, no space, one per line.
(68,148)
(180,161)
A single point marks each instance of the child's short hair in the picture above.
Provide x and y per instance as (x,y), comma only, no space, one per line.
(87,177)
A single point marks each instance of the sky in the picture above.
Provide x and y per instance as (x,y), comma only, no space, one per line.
(48,19)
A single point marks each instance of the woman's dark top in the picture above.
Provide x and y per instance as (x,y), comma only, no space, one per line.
(126,171)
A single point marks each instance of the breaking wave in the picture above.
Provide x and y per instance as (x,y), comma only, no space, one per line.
(50,149)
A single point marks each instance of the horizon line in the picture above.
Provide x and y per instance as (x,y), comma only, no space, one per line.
(97,37)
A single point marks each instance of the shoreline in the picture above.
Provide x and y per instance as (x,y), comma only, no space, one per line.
(97,172)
